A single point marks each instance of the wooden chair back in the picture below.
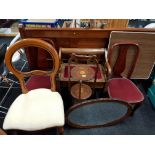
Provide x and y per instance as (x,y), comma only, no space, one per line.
(21,75)
(146,59)
(120,62)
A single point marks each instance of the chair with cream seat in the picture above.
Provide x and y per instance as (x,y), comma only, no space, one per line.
(40,108)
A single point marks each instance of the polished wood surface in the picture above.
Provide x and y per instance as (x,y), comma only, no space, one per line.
(65,53)
(76,37)
(96,51)
(81,91)
(98,38)
(82,72)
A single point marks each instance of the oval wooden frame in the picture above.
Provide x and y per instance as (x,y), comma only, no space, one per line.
(93,101)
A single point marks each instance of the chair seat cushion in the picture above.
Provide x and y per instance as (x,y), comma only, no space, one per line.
(36,110)
(124,89)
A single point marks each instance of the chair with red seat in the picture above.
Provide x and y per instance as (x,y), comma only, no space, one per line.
(120,87)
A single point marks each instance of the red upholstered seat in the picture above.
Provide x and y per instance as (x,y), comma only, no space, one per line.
(38,82)
(124,89)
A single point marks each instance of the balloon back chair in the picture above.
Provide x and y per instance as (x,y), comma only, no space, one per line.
(120,87)
(40,108)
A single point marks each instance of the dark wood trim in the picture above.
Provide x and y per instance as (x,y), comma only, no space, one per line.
(2,132)
(60,130)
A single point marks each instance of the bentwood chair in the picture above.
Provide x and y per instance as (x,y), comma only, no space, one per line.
(40,108)
(119,87)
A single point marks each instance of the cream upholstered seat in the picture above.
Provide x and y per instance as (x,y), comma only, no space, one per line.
(36,110)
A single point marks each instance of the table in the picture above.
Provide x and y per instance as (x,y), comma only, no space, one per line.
(82,73)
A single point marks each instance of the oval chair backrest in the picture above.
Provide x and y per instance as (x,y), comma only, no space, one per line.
(21,75)
(120,64)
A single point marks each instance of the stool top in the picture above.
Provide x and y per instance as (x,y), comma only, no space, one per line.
(86,91)
(82,72)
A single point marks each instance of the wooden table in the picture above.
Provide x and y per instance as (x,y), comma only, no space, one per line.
(82,73)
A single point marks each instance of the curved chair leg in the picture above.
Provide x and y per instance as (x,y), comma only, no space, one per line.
(135,108)
(60,130)
(2,132)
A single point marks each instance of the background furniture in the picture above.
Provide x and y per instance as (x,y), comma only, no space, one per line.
(39,108)
(89,38)
(119,87)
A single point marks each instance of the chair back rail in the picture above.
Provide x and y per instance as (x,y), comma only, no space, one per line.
(120,63)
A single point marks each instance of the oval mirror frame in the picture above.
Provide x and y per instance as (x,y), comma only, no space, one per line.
(94,101)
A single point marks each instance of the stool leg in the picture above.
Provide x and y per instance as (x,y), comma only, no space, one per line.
(2,132)
(80,89)
(60,130)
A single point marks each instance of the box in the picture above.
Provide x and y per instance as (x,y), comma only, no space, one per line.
(40,23)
